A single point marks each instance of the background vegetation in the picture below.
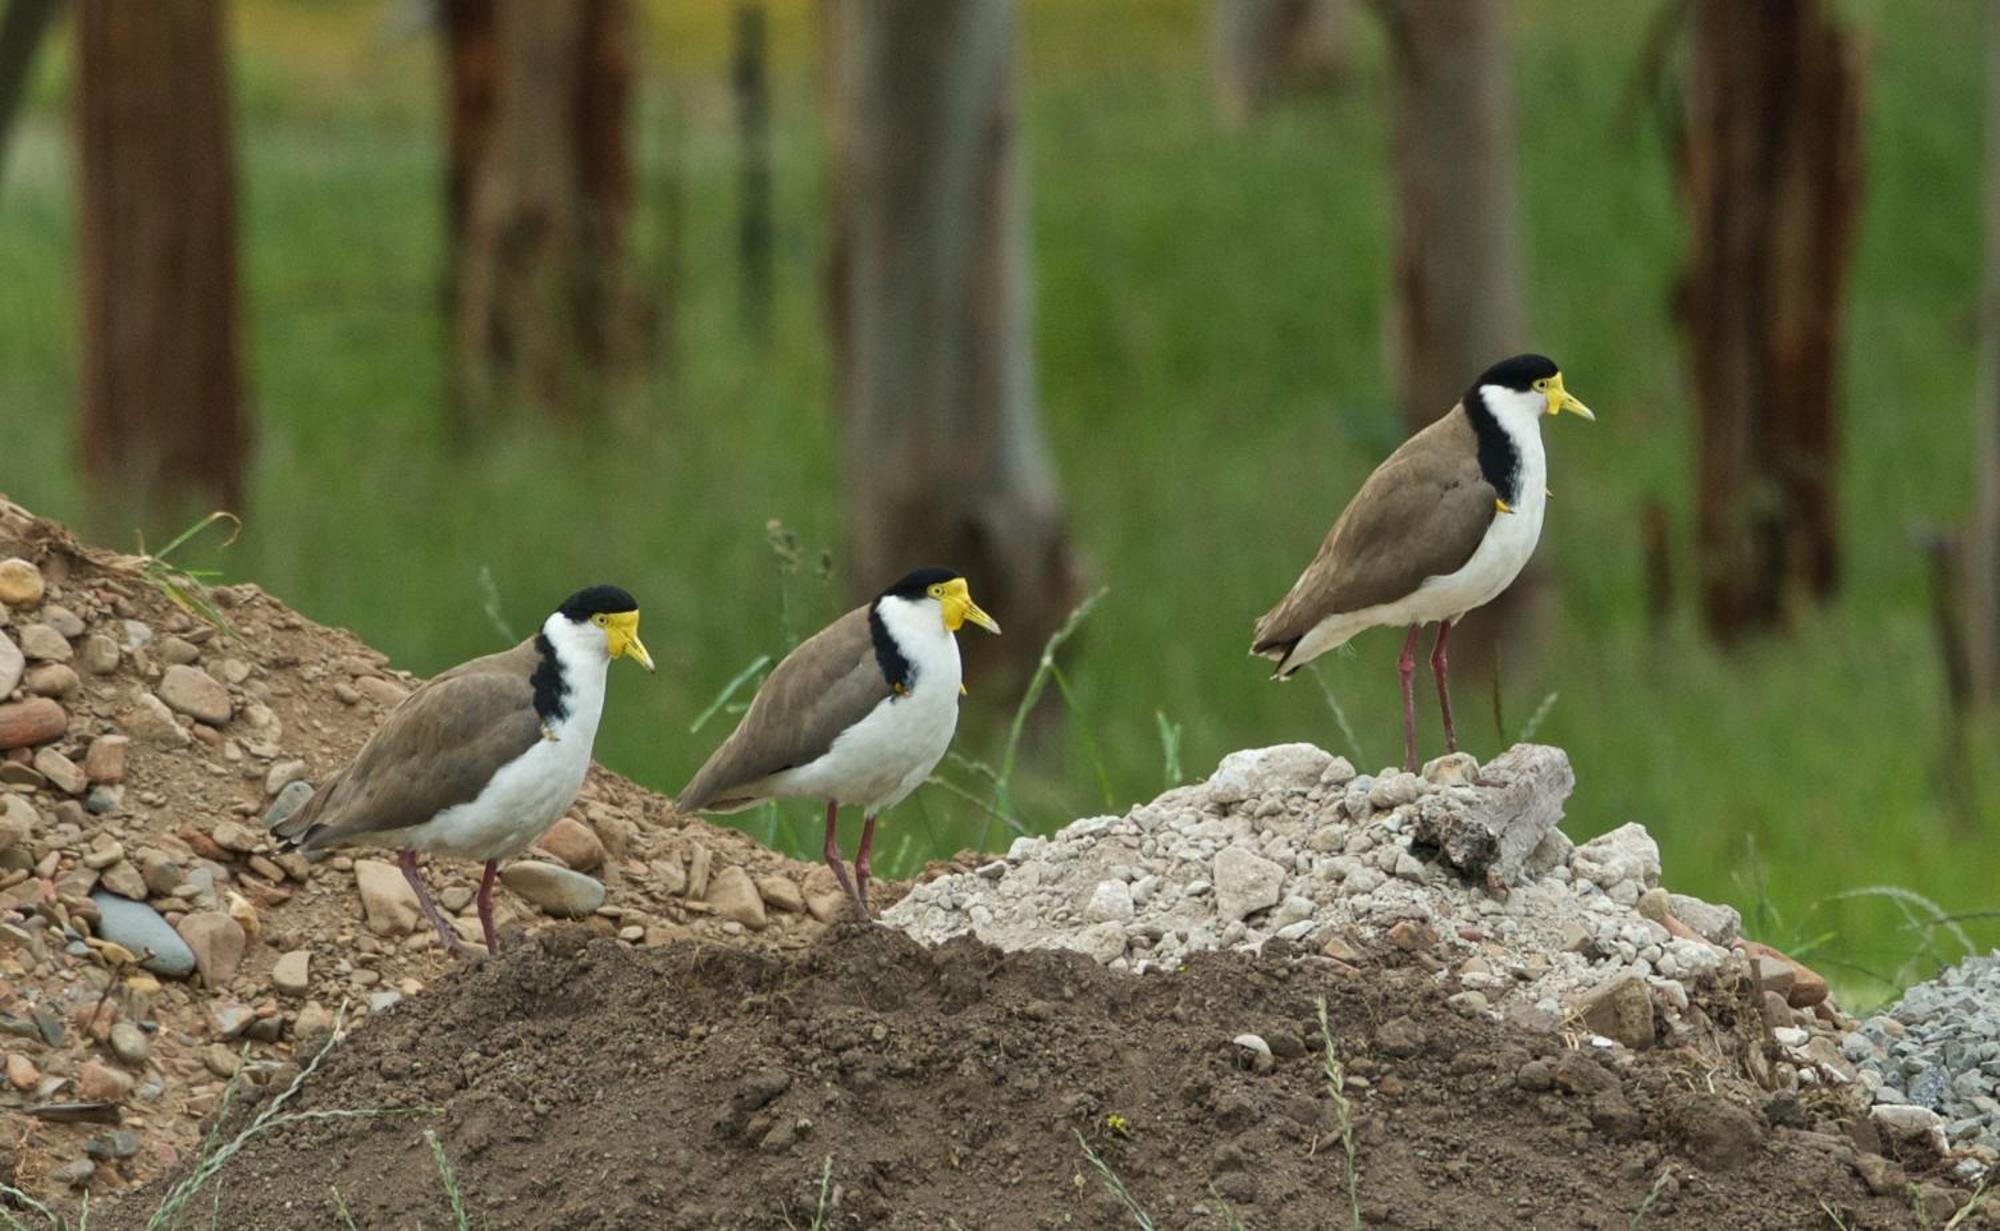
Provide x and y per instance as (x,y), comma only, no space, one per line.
(1209,365)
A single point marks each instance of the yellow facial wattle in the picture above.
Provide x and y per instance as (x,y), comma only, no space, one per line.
(621,636)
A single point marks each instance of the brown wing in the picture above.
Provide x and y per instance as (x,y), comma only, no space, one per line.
(436,749)
(826,685)
(1421,514)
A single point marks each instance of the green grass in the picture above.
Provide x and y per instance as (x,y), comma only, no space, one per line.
(1208,310)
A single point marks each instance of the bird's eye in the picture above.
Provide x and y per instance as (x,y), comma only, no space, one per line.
(937,591)
(600,619)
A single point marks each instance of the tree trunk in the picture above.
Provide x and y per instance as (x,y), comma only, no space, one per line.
(22,28)
(942,456)
(753,118)
(1982,582)
(1459,271)
(1458,276)
(163,417)
(539,187)
(1261,46)
(1770,165)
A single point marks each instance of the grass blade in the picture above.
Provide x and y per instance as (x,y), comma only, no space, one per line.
(1115,1185)
(729,690)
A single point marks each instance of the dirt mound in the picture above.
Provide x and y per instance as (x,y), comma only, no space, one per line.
(580,1084)
(141,750)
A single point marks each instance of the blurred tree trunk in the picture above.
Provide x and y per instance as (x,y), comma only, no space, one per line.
(753,119)
(22,28)
(1770,166)
(942,455)
(1458,278)
(539,187)
(163,416)
(1260,46)
(1982,583)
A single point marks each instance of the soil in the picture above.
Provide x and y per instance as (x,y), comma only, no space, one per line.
(580,1084)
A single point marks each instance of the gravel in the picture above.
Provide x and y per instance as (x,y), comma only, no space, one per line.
(1289,843)
(1938,1050)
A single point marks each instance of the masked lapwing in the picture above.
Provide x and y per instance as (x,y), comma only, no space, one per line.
(859,714)
(1440,528)
(480,761)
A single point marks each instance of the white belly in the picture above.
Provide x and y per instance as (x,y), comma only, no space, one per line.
(518,805)
(878,761)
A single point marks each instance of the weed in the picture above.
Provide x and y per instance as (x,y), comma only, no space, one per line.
(819,1211)
(1003,778)
(489,597)
(1231,1221)
(1115,1185)
(1652,1195)
(185,588)
(1834,1216)
(1360,758)
(1170,750)
(340,1210)
(1336,1082)
(450,1180)
(1536,719)
(729,690)
(1972,1203)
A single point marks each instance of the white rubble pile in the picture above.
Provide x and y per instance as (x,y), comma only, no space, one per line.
(1289,842)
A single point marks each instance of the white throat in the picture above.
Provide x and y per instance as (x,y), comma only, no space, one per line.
(918,628)
(585,658)
(1519,414)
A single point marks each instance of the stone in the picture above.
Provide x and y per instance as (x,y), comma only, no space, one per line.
(1490,832)
(575,844)
(129,1043)
(1621,1009)
(552,889)
(1400,1037)
(17,821)
(99,654)
(75,1174)
(63,774)
(1907,1125)
(1627,853)
(781,893)
(104,761)
(221,1060)
(825,900)
(123,879)
(235,836)
(120,1143)
(196,693)
(23,724)
(178,651)
(63,620)
(52,680)
(42,643)
(282,775)
(386,693)
(699,861)
(12,663)
(389,907)
(734,896)
(1111,900)
(98,1082)
(1713,922)
(1412,935)
(290,799)
(21,1072)
(1452,769)
(291,974)
(150,721)
(1255,771)
(1245,882)
(140,930)
(21,583)
(217,941)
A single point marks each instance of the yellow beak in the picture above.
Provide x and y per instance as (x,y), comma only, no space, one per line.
(1561,399)
(621,633)
(959,607)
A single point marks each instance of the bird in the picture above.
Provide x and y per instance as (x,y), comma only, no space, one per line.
(482,759)
(1440,528)
(857,715)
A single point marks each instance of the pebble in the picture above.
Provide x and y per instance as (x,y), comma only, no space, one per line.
(282,775)
(781,893)
(54,680)
(37,720)
(100,1083)
(139,929)
(99,654)
(150,721)
(196,693)
(734,896)
(217,941)
(291,797)
(63,774)
(232,835)
(104,761)
(75,1174)
(1244,883)
(21,583)
(117,1144)
(129,1043)
(12,663)
(21,1072)
(17,821)
(575,844)
(1622,1010)
(41,643)
(553,890)
(389,907)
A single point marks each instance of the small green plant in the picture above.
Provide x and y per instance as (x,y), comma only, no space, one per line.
(1231,1221)
(1340,717)
(1170,749)
(1336,1087)
(450,1180)
(1834,1216)
(1536,719)
(729,690)
(13,1223)
(1003,778)
(1972,1203)
(818,1222)
(489,597)
(1652,1195)
(188,588)
(1115,1185)
(340,1210)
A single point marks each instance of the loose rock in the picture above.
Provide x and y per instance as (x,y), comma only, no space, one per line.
(20,583)
(37,720)
(140,930)
(217,941)
(389,906)
(196,693)
(553,890)
(575,844)
(734,896)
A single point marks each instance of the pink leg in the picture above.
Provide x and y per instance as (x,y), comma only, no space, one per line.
(408,862)
(486,880)
(1441,668)
(832,853)
(861,863)
(1406,671)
